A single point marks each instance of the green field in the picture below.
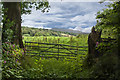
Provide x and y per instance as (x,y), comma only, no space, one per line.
(81,41)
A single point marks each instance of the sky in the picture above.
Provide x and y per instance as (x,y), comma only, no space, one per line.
(68,15)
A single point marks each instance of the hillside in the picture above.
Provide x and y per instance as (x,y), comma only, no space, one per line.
(67,30)
(27,31)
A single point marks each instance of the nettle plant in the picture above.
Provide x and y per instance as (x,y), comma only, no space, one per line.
(11,60)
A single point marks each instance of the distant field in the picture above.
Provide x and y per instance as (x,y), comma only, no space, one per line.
(81,41)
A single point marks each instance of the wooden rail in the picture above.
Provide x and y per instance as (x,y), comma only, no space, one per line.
(107,40)
(57,44)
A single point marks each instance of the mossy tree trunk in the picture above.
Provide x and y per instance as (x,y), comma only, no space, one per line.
(13,13)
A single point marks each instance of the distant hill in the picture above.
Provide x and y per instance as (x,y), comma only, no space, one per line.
(27,31)
(67,30)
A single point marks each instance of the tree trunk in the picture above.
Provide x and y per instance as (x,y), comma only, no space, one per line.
(14,14)
(94,36)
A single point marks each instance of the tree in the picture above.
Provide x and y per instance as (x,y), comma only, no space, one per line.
(110,18)
(12,19)
(13,14)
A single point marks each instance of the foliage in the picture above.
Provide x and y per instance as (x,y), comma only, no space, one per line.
(109,21)
(11,56)
(105,64)
(78,36)
(26,35)
(109,18)
(31,69)
(106,46)
(41,68)
(7,31)
(106,67)
(40,5)
(53,68)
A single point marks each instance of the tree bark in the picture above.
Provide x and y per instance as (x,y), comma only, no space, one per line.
(14,14)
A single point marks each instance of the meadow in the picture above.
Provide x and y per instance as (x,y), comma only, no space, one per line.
(81,40)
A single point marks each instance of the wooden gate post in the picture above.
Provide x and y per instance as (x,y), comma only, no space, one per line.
(93,39)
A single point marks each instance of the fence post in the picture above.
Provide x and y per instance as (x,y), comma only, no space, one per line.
(58,48)
(38,48)
(77,47)
(25,48)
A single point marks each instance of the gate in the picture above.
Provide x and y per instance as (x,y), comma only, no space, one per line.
(52,50)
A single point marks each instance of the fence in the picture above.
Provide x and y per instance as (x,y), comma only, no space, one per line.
(106,40)
(51,50)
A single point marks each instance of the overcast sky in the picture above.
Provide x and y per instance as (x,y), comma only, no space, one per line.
(69,15)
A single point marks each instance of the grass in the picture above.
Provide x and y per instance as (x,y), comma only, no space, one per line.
(53,68)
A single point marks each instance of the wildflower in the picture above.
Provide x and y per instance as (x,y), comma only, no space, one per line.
(9,43)
(3,50)
(97,44)
(6,42)
(22,53)
(7,52)
(24,49)
(15,51)
(16,60)
(4,61)
(13,46)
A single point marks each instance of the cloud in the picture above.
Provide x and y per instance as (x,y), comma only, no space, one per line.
(74,0)
(86,30)
(78,28)
(65,15)
(47,28)
(90,17)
